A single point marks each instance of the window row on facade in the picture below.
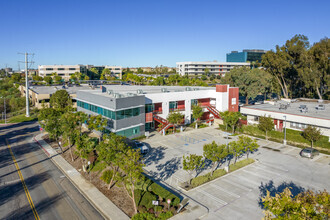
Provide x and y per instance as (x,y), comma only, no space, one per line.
(115,115)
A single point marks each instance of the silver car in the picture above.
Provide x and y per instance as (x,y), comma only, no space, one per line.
(309,152)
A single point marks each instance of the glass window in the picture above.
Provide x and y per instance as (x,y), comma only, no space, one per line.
(128,113)
(100,110)
(136,111)
(120,115)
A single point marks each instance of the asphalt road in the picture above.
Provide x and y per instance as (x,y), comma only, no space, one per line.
(53,195)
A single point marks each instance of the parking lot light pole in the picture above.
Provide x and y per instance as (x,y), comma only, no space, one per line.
(284,141)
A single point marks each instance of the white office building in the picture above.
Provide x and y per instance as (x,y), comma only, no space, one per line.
(65,71)
(198,68)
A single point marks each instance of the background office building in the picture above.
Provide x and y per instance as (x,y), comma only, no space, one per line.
(132,110)
(198,68)
(65,71)
(245,56)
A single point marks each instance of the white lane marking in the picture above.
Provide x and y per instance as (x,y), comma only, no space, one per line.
(221,189)
(248,180)
(212,197)
(237,185)
(10,182)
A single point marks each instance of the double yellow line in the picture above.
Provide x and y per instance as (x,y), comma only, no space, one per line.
(23,183)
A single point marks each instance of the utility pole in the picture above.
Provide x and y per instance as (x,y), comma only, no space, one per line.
(27,83)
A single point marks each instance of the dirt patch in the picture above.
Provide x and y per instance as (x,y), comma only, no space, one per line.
(118,195)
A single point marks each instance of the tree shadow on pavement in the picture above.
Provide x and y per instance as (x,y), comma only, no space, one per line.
(167,169)
(25,212)
(13,190)
(154,155)
(263,188)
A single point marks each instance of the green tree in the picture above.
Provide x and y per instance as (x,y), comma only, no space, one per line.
(266,124)
(94,73)
(236,148)
(70,128)
(133,172)
(58,79)
(215,153)
(84,146)
(37,78)
(48,80)
(97,122)
(206,71)
(251,82)
(231,119)
(60,100)
(175,118)
(112,152)
(312,134)
(197,113)
(203,77)
(247,144)
(50,120)
(305,205)
(174,79)
(16,77)
(193,164)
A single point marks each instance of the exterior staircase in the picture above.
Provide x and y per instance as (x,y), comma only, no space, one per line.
(213,111)
(165,123)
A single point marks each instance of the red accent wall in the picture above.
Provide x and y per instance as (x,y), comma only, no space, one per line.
(221,88)
(204,102)
(181,105)
(149,117)
(233,94)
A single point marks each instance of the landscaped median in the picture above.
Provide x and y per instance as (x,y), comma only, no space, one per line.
(200,180)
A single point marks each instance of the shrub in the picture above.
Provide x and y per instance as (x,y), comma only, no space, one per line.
(165,215)
(144,216)
(163,193)
(147,198)
(137,196)
(158,208)
(99,166)
(106,176)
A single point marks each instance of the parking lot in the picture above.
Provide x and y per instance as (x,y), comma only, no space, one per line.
(237,195)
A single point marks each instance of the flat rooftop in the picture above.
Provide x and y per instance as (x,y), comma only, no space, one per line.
(72,89)
(127,91)
(294,108)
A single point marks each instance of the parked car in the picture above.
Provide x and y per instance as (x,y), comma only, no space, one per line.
(141,146)
(309,152)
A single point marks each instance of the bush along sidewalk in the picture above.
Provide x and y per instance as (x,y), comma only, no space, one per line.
(216,155)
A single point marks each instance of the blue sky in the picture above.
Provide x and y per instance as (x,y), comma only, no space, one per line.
(149,33)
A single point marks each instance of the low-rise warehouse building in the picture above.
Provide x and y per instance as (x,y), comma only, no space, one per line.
(296,114)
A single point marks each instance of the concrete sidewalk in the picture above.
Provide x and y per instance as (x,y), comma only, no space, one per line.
(96,198)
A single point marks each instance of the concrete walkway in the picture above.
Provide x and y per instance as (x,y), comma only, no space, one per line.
(96,198)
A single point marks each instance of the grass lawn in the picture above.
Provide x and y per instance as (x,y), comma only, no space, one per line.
(20,118)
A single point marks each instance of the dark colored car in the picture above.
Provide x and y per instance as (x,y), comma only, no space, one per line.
(309,152)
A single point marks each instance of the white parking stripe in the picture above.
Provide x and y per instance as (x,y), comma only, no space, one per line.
(212,197)
(236,184)
(221,189)
(265,170)
(268,165)
(255,174)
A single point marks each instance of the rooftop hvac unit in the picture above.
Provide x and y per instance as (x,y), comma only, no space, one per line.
(139,91)
(117,95)
(130,94)
(164,89)
(196,89)
(188,89)
(110,92)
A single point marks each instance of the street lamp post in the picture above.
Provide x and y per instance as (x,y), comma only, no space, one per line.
(284,141)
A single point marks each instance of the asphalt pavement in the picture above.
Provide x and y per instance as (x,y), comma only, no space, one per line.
(31,186)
